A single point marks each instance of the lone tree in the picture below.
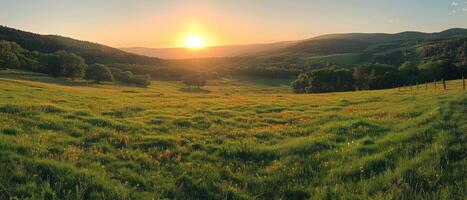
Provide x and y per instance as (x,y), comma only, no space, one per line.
(75,67)
(141,80)
(197,79)
(99,72)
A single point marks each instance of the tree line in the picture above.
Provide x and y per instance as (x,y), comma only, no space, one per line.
(64,64)
(377,76)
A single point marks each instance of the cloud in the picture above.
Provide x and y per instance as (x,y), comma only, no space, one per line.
(454,3)
(454,11)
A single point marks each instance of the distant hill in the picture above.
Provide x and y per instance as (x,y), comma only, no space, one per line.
(321,45)
(216,51)
(387,37)
(358,42)
(91,52)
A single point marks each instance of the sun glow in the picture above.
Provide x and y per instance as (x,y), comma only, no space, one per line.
(194,42)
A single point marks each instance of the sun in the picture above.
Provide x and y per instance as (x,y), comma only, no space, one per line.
(194,42)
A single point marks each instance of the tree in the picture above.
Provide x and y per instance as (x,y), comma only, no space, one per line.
(197,79)
(431,70)
(62,63)
(56,63)
(374,76)
(324,80)
(301,83)
(128,77)
(10,54)
(98,73)
(75,67)
(141,80)
(409,72)
(359,76)
(8,59)
(123,76)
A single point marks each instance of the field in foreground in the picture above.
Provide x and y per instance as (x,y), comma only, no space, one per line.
(235,139)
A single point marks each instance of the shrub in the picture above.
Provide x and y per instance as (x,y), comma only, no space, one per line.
(98,73)
(141,80)
(128,77)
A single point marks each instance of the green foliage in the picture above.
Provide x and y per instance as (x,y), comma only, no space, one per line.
(62,63)
(128,77)
(324,80)
(98,73)
(141,80)
(376,76)
(13,56)
(91,52)
(75,66)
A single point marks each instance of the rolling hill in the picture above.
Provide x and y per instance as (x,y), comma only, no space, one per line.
(283,59)
(217,51)
(321,45)
(359,42)
(91,52)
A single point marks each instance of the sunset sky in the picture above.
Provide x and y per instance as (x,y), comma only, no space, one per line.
(127,23)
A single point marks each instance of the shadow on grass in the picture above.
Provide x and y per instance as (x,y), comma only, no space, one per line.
(37,77)
(194,90)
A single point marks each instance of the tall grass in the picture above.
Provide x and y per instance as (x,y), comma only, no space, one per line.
(236,141)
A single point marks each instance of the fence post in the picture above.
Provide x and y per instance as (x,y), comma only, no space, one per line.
(417,85)
(435,83)
(444,83)
(426,85)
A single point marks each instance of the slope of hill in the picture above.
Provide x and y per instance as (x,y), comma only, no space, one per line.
(387,37)
(91,52)
(321,45)
(358,42)
(234,139)
(217,51)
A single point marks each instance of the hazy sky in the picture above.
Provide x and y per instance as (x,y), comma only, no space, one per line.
(166,23)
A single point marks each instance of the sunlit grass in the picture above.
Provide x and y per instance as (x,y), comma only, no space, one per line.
(242,139)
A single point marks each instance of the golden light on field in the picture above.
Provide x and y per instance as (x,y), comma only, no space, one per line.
(194,42)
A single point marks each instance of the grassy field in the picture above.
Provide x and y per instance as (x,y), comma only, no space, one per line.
(234,139)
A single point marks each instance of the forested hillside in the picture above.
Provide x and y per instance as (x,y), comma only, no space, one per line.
(91,52)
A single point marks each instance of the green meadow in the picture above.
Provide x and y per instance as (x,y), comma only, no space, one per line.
(236,138)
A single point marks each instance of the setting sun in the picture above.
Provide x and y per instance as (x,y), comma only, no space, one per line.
(194,42)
